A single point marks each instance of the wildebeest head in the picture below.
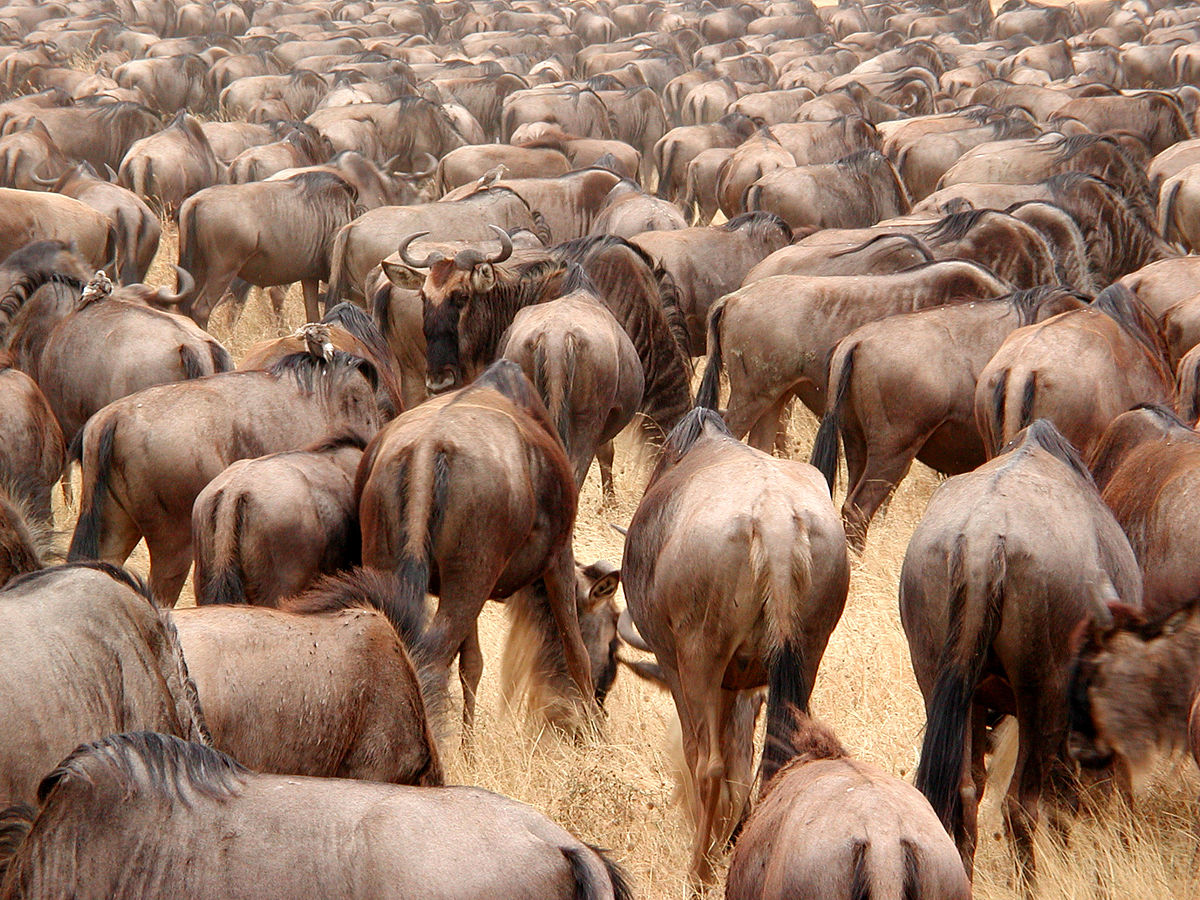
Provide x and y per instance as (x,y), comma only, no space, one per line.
(1132,687)
(595,590)
(452,287)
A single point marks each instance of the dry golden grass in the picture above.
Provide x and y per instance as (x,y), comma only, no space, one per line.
(615,790)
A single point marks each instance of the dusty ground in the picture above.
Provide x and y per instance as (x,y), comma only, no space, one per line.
(616,791)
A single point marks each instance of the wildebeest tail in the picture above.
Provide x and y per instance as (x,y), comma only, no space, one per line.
(710,384)
(425,479)
(193,365)
(860,875)
(553,380)
(338,287)
(220,576)
(781,573)
(975,611)
(191,723)
(825,447)
(15,825)
(187,238)
(1167,225)
(85,541)
(596,876)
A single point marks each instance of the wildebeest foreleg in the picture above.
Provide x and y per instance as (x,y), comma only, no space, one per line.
(604,456)
(312,309)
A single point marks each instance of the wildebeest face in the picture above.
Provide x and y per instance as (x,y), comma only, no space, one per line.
(444,301)
(596,587)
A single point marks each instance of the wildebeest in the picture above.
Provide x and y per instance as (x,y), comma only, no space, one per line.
(266,233)
(144,464)
(34,454)
(756,544)
(471,496)
(925,363)
(1004,565)
(108,348)
(782,330)
(23,539)
(326,686)
(288,835)
(1134,690)
(586,370)
(1080,369)
(85,654)
(830,826)
(33,216)
(266,528)
(470,300)
(1147,467)
(171,165)
(707,263)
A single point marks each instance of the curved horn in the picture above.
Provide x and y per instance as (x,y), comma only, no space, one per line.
(109,173)
(415,263)
(38,179)
(506,247)
(629,633)
(186,283)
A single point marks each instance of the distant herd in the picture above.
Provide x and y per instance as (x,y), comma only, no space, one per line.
(957,234)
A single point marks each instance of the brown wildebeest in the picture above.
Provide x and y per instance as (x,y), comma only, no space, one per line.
(1081,369)
(831,826)
(324,686)
(756,544)
(879,250)
(783,330)
(470,300)
(1005,563)
(1012,249)
(1165,282)
(707,263)
(171,165)
(464,164)
(1156,117)
(266,233)
(587,372)
(138,229)
(344,327)
(1134,690)
(108,348)
(628,211)
(288,835)
(85,652)
(471,496)
(267,528)
(34,453)
(854,192)
(34,216)
(1147,467)
(679,146)
(22,539)
(147,456)
(924,363)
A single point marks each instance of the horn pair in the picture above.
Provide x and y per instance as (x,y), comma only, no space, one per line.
(465,259)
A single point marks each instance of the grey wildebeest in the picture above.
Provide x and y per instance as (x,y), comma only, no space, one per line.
(854,192)
(831,826)
(755,543)
(1147,467)
(470,496)
(144,464)
(326,686)
(925,363)
(1004,565)
(85,653)
(288,835)
(1081,369)
(707,263)
(108,348)
(470,300)
(34,454)
(266,233)
(1133,690)
(784,328)
(266,528)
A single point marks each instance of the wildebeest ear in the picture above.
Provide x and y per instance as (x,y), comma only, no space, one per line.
(402,276)
(603,589)
(1177,621)
(483,278)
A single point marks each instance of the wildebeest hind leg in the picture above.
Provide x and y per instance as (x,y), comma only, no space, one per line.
(1036,747)
(170,559)
(312,309)
(874,485)
(470,671)
(764,432)
(604,456)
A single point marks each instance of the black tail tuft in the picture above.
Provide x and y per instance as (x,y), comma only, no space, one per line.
(193,365)
(85,542)
(710,384)
(860,878)
(787,691)
(825,448)
(584,874)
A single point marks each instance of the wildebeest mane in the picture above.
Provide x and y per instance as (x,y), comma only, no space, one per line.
(683,437)
(365,588)
(807,741)
(506,378)
(345,438)
(314,375)
(861,162)
(913,241)
(1027,303)
(313,185)
(1042,433)
(956,225)
(1122,306)
(149,761)
(121,575)
(759,225)
(359,324)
